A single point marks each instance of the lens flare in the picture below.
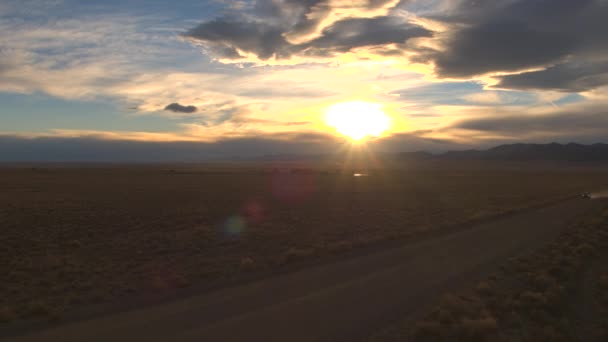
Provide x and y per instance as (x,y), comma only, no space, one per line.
(234,225)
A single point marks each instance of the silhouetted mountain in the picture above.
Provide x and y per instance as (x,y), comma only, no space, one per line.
(523,152)
(511,152)
(418,155)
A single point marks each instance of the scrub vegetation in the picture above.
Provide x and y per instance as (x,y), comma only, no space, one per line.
(557,293)
(77,236)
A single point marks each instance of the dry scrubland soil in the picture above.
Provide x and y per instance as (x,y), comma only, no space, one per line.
(556,293)
(73,237)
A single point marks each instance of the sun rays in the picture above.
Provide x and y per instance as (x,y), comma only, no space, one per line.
(357,119)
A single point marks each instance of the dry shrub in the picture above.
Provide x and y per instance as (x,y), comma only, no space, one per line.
(247,263)
(298,253)
(485,288)
(532,299)
(585,249)
(75,244)
(533,304)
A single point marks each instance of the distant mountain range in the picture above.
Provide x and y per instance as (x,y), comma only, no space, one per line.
(522,152)
(571,152)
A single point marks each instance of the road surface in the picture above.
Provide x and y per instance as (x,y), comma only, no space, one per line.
(340,301)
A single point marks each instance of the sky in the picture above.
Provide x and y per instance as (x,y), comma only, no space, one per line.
(181,80)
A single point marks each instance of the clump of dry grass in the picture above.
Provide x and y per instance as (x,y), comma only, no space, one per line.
(457,318)
(485,288)
(293,254)
(584,249)
(75,244)
(247,263)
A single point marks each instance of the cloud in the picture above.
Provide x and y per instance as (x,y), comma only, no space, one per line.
(500,45)
(568,77)
(562,39)
(245,119)
(273,66)
(81,58)
(229,34)
(349,34)
(298,123)
(525,44)
(280,30)
(178,108)
(575,122)
(284,90)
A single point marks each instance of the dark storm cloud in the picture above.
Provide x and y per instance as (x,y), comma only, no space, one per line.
(259,29)
(571,77)
(492,36)
(264,32)
(296,13)
(178,108)
(377,3)
(228,34)
(345,35)
(563,39)
(500,46)
(582,121)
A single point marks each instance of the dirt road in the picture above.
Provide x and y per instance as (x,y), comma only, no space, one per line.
(341,301)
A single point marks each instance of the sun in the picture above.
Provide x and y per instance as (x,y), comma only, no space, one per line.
(357,119)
